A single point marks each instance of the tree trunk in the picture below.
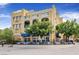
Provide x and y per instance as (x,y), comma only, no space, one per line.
(67,38)
(39,37)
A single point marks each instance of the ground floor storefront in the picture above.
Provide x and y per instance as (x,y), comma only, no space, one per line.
(53,38)
(37,40)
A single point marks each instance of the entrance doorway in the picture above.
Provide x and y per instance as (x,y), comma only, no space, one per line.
(27,39)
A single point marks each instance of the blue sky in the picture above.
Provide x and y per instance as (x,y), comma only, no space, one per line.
(66,10)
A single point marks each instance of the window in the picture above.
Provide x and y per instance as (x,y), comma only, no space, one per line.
(19,25)
(25,17)
(13,26)
(16,17)
(13,17)
(45,19)
(20,17)
(47,13)
(34,16)
(37,15)
(26,39)
(27,23)
(35,20)
(16,26)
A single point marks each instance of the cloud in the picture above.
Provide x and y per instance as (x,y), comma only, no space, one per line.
(2,5)
(4,15)
(70,16)
(5,27)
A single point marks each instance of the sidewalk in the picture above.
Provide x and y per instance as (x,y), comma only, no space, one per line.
(40,50)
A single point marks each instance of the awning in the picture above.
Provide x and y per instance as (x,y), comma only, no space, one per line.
(25,34)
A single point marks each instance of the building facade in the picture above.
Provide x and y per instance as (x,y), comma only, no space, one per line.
(23,18)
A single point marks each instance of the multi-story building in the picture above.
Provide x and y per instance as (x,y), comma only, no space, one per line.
(22,18)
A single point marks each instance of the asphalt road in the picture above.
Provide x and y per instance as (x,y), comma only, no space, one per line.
(40,50)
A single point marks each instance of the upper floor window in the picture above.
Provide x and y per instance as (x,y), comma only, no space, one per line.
(13,26)
(19,25)
(20,17)
(27,23)
(13,17)
(25,17)
(35,20)
(45,19)
(47,13)
(16,17)
(37,15)
(16,26)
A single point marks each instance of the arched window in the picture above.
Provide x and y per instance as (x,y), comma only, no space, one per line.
(45,19)
(27,23)
(35,20)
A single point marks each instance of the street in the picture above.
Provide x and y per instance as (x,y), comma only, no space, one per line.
(40,50)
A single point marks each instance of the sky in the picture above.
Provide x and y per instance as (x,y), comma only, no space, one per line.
(67,11)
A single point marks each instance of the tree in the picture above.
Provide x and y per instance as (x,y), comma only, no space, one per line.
(77,31)
(40,28)
(1,34)
(8,35)
(67,28)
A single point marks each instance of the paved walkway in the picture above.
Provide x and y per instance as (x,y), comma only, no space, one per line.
(40,50)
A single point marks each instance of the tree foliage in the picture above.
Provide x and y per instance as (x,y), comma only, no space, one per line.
(40,28)
(6,35)
(68,28)
(1,34)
